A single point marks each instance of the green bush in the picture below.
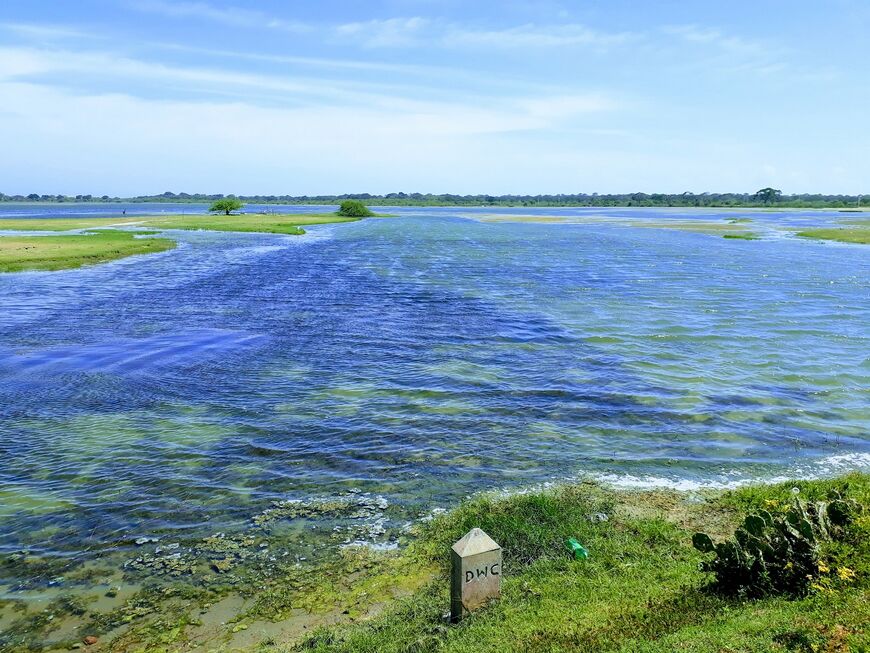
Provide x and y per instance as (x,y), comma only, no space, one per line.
(777,554)
(354,209)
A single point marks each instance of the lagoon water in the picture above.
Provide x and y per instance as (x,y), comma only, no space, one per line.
(420,359)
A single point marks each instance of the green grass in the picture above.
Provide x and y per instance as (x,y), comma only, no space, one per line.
(253,222)
(259,223)
(641,589)
(18,253)
(62,224)
(859,233)
(742,236)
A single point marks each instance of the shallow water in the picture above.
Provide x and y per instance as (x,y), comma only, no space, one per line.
(421,359)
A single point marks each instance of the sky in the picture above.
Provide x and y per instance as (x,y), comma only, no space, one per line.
(129,97)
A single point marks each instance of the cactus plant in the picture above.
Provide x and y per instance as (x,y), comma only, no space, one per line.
(776,554)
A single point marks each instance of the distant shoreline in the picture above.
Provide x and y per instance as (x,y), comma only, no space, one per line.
(846,204)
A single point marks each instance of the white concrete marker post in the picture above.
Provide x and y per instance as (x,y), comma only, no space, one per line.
(475,578)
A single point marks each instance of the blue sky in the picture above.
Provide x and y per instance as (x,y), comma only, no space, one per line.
(142,96)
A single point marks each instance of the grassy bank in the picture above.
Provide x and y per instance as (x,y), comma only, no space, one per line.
(641,589)
(248,222)
(19,253)
(856,232)
(257,223)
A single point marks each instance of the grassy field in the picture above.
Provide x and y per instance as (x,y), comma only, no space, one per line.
(856,232)
(248,222)
(63,224)
(641,589)
(18,253)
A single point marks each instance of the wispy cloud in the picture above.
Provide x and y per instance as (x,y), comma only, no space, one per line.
(314,62)
(294,153)
(536,36)
(469,114)
(45,32)
(734,53)
(52,94)
(390,73)
(419,31)
(388,33)
(228,15)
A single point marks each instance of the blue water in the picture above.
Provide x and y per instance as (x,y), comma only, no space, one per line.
(421,359)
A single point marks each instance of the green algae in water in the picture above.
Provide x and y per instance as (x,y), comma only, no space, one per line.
(19,498)
(467,372)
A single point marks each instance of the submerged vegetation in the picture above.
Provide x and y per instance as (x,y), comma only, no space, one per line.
(643,587)
(19,253)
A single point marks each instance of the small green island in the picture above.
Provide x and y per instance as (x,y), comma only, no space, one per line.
(99,240)
(856,231)
(49,253)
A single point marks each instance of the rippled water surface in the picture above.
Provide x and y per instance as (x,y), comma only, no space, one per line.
(420,359)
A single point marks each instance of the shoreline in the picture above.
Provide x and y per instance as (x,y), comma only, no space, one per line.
(77,242)
(233,597)
(785,206)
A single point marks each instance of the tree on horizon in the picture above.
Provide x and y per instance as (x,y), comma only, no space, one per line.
(768,195)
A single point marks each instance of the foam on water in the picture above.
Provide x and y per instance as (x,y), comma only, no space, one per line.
(823,468)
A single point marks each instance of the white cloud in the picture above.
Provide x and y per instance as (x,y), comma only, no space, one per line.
(228,15)
(45,32)
(535,36)
(388,33)
(315,62)
(285,133)
(565,106)
(22,62)
(729,52)
(71,142)
(216,146)
(467,115)
(417,31)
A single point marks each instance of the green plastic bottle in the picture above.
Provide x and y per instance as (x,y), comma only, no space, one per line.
(578,551)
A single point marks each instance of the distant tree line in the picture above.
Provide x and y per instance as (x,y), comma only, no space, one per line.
(764,197)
